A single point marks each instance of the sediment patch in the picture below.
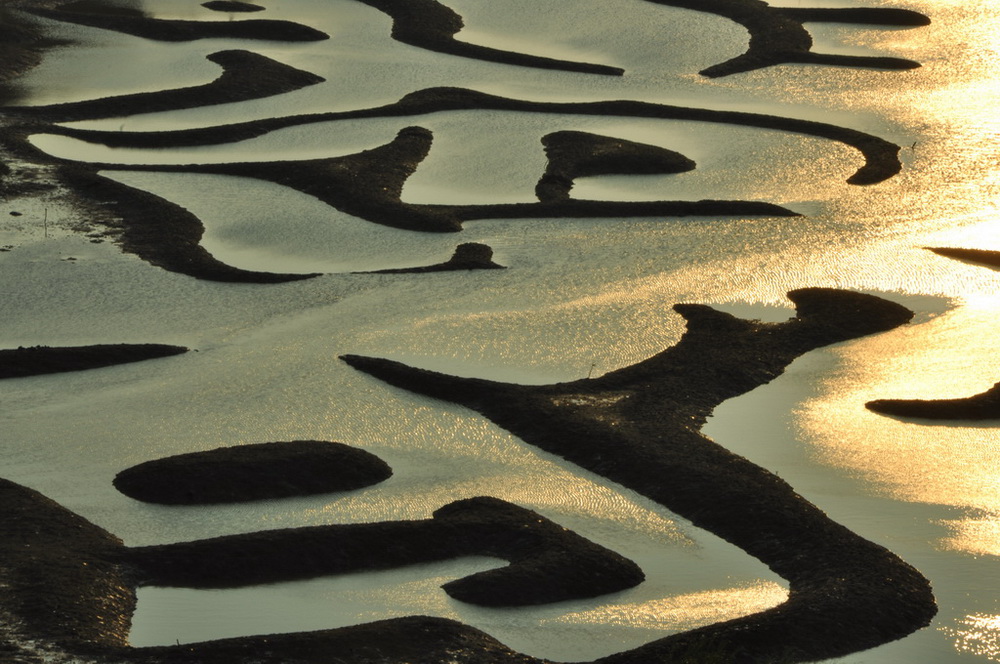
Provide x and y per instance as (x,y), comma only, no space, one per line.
(639,426)
(41,360)
(983,406)
(243,473)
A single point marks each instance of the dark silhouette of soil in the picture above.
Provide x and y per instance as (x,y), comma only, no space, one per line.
(881,156)
(244,473)
(41,360)
(369,185)
(431,25)
(984,257)
(231,6)
(245,76)
(467,256)
(777,35)
(139,25)
(983,406)
(72,585)
(576,154)
(639,426)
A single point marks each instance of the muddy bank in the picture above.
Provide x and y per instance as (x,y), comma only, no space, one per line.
(139,25)
(778,37)
(467,256)
(245,76)
(985,257)
(639,426)
(159,232)
(983,406)
(881,156)
(69,586)
(431,25)
(369,185)
(243,473)
(40,360)
(577,154)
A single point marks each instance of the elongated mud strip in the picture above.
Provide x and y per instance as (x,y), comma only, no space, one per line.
(41,360)
(984,257)
(244,473)
(577,154)
(639,426)
(467,256)
(369,184)
(430,25)
(983,406)
(881,156)
(547,562)
(777,35)
(70,585)
(179,31)
(160,232)
(231,6)
(245,76)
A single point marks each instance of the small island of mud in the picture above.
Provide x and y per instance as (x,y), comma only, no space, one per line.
(983,406)
(41,360)
(252,472)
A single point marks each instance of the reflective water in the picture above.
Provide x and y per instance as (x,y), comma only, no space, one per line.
(580,296)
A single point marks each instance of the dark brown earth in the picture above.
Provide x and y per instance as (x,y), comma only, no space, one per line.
(67,586)
(985,257)
(467,256)
(983,406)
(231,6)
(243,473)
(577,154)
(639,427)
(369,185)
(134,23)
(881,157)
(245,76)
(40,360)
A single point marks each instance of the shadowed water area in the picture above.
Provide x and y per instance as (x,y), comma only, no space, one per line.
(728,399)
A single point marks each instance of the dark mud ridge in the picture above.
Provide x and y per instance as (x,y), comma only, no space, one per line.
(245,76)
(467,256)
(983,257)
(881,157)
(72,585)
(231,6)
(252,472)
(40,360)
(983,406)
(777,35)
(100,15)
(577,154)
(639,426)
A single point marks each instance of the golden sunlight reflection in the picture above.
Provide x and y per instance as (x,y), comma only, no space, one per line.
(978,536)
(685,611)
(978,634)
(952,463)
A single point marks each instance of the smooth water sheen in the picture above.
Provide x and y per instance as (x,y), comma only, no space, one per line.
(579,297)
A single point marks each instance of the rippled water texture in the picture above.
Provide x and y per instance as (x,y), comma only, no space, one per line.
(579,297)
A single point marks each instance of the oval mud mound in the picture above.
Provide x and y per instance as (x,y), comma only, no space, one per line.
(252,472)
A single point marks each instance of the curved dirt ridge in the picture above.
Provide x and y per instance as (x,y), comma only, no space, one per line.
(245,76)
(846,593)
(369,185)
(167,30)
(430,25)
(982,406)
(777,35)
(42,360)
(257,471)
(881,156)
(69,586)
